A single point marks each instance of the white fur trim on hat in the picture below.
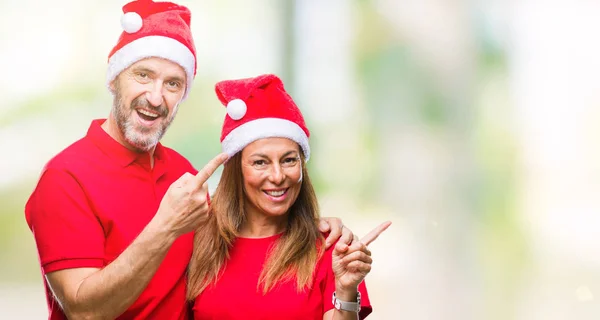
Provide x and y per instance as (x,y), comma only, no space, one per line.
(251,131)
(152,46)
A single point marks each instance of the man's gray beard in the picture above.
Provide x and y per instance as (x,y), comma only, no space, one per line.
(141,138)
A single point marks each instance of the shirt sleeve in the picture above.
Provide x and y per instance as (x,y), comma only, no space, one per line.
(326,267)
(66,230)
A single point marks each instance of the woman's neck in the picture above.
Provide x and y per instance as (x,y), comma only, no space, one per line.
(262,226)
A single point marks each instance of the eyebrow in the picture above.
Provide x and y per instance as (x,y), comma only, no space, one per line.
(143,69)
(266,157)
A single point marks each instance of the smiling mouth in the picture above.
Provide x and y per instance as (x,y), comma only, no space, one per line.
(276,193)
(147,115)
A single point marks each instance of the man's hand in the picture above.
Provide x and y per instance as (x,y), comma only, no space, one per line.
(337,231)
(185,204)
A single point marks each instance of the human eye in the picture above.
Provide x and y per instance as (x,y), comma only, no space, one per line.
(290,161)
(259,164)
(142,76)
(173,84)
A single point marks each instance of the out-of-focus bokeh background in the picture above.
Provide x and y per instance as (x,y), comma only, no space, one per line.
(473,125)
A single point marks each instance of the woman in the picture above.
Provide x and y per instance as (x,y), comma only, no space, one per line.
(260,254)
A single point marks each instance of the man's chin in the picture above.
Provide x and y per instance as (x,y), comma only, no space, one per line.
(142,138)
(142,145)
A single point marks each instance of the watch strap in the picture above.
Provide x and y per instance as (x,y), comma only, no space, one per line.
(346,305)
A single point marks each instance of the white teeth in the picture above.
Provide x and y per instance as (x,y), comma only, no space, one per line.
(147,113)
(276,193)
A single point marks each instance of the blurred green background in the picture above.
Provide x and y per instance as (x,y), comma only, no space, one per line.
(472,125)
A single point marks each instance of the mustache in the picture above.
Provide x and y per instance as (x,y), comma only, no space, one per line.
(141,101)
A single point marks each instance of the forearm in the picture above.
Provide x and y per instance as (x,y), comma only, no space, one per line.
(343,315)
(107,293)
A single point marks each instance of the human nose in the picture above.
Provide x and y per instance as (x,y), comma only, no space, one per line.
(154,94)
(276,174)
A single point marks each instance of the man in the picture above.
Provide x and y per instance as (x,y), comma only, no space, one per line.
(113,214)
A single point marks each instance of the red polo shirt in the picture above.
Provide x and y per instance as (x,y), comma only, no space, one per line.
(91,202)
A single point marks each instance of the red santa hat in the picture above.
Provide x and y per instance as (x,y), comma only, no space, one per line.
(154,29)
(259,108)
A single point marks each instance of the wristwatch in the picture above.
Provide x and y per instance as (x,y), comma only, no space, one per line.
(345,305)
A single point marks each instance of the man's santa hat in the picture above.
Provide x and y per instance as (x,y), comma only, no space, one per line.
(154,29)
(259,108)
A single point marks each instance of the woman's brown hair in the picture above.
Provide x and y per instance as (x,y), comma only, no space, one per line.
(294,255)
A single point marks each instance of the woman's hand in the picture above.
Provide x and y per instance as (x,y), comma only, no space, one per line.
(352,263)
(337,231)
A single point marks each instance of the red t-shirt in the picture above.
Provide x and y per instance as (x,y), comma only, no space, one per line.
(92,200)
(235,295)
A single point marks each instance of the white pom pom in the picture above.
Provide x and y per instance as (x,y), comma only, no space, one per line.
(236,109)
(131,22)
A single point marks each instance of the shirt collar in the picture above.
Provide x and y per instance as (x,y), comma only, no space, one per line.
(115,150)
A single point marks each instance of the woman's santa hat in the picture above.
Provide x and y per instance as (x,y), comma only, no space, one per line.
(154,29)
(259,108)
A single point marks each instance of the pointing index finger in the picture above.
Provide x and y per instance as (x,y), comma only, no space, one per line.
(371,236)
(210,168)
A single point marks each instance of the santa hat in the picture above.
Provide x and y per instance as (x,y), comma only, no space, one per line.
(259,108)
(154,29)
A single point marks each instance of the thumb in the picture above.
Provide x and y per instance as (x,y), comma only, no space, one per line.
(340,249)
